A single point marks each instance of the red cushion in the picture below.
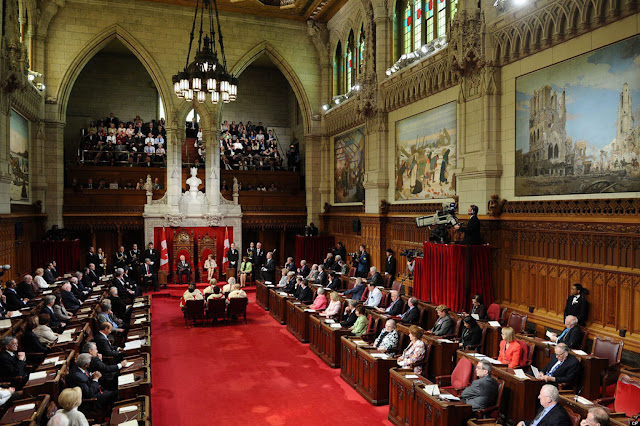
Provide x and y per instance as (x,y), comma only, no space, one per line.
(461,374)
(524,353)
(627,399)
(493,312)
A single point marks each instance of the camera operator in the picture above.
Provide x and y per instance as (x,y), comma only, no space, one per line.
(411,264)
(472,230)
(339,250)
(390,265)
(363,261)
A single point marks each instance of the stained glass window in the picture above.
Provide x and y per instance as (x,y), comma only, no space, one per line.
(417,24)
(442,17)
(407,29)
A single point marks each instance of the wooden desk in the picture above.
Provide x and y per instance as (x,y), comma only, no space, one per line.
(278,306)
(138,362)
(567,399)
(373,375)
(443,354)
(141,385)
(145,347)
(325,340)
(492,340)
(63,357)
(142,411)
(49,385)
(591,366)
(16,324)
(409,404)
(519,396)
(33,416)
(348,361)
(298,315)
(262,296)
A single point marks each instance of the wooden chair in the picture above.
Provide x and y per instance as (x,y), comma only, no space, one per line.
(494,410)
(493,312)
(237,308)
(183,245)
(216,309)
(604,347)
(527,353)
(386,297)
(206,246)
(386,280)
(193,311)
(573,416)
(372,329)
(352,271)
(517,321)
(626,398)
(459,379)
(457,321)
(480,346)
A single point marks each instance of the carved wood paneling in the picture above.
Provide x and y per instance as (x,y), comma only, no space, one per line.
(15,250)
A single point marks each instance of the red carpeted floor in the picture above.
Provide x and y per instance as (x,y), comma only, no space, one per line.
(245,374)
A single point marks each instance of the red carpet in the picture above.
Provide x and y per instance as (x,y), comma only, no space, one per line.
(245,374)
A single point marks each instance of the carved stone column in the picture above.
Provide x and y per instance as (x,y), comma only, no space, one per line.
(377,153)
(174,164)
(317,154)
(38,161)
(212,166)
(54,170)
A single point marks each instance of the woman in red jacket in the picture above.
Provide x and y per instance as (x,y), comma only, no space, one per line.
(510,350)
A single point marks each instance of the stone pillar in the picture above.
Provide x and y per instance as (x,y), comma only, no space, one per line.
(212,166)
(38,162)
(174,167)
(316,155)
(5,166)
(377,153)
(54,170)
(383,50)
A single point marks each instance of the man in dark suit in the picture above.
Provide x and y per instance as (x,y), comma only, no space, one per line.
(183,268)
(303,269)
(339,250)
(154,255)
(329,261)
(120,259)
(444,324)
(562,368)
(571,335)
(12,362)
(79,376)
(293,284)
(483,392)
(357,290)
(258,260)
(551,413)
(25,288)
(93,275)
(55,324)
(78,290)
(4,312)
(121,285)
(390,265)
(109,371)
(69,300)
(132,288)
(49,276)
(305,294)
(111,119)
(234,256)
(147,276)
(118,307)
(350,313)
(290,265)
(269,269)
(322,275)
(311,230)
(376,278)
(472,230)
(334,281)
(412,315)
(92,257)
(13,300)
(395,307)
(104,345)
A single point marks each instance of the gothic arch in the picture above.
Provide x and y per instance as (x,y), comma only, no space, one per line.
(203,110)
(286,69)
(96,45)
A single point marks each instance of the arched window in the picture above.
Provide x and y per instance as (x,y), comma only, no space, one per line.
(417,24)
(337,71)
(407,28)
(361,40)
(350,56)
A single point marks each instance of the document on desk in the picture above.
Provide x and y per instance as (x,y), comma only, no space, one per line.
(360,342)
(494,324)
(126,379)
(491,360)
(64,337)
(271,286)
(140,315)
(449,397)
(69,331)
(549,334)
(136,344)
(127,409)
(379,355)
(129,423)
(445,341)
(38,375)
(336,326)
(5,323)
(583,401)
(480,356)
(268,283)
(519,372)
(282,293)
(411,376)
(26,407)
(140,321)
(51,360)
(16,314)
(47,292)
(309,310)
(138,305)
(579,352)
(329,321)
(134,336)
(475,317)
(432,390)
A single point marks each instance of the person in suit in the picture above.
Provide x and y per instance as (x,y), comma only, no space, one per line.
(510,351)
(562,368)
(312,229)
(118,306)
(54,322)
(31,343)
(69,401)
(234,256)
(49,276)
(363,262)
(374,296)
(80,293)
(322,275)
(472,230)
(412,315)
(395,307)
(349,314)
(183,268)
(86,280)
(444,324)
(376,278)
(153,255)
(303,269)
(305,295)
(357,290)
(471,333)
(269,269)
(577,304)
(25,289)
(4,310)
(12,362)
(79,376)
(596,416)
(258,260)
(571,335)
(91,256)
(147,276)
(104,345)
(109,371)
(293,284)
(478,307)
(390,265)
(334,281)
(328,261)
(94,275)
(13,300)
(120,259)
(483,392)
(69,301)
(290,265)
(339,250)
(551,413)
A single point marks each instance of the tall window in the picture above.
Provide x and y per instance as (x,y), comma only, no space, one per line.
(349,63)
(361,50)
(337,70)
(418,22)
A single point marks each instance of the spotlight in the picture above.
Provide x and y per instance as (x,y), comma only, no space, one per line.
(325,107)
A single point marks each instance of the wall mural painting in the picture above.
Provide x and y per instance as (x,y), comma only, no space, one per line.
(576,129)
(426,154)
(19,152)
(349,167)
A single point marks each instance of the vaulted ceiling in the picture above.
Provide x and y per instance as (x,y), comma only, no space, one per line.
(301,10)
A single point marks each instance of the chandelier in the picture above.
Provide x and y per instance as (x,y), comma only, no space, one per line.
(206,78)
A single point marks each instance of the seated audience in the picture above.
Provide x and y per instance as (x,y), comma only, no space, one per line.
(349,314)
(471,333)
(360,326)
(12,299)
(334,281)
(77,288)
(105,347)
(6,394)
(118,306)
(313,273)
(321,276)
(305,294)
(109,371)
(56,324)
(88,383)
(596,416)
(320,302)
(12,362)
(563,368)
(236,293)
(303,269)
(226,289)
(245,269)
(571,335)
(334,306)
(192,293)
(551,413)
(387,340)
(70,400)
(213,284)
(483,392)
(30,342)
(215,294)
(26,289)
(375,296)
(478,308)
(510,351)
(444,324)
(43,332)
(107,315)
(395,307)
(69,301)
(60,312)
(284,279)
(414,354)
(357,290)
(412,314)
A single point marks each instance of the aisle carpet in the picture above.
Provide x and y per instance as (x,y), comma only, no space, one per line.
(245,374)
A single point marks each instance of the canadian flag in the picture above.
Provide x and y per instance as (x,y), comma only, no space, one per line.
(164,253)
(225,256)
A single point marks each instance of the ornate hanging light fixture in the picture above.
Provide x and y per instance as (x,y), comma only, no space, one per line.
(206,79)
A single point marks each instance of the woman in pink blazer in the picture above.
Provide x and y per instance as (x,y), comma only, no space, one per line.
(320,303)
(510,350)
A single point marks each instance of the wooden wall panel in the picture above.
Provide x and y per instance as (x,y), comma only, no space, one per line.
(16,250)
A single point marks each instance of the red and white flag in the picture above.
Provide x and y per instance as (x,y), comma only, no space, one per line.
(164,253)
(225,256)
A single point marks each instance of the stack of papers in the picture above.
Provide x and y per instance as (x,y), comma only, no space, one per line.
(127,409)
(140,315)
(16,314)
(268,283)
(129,423)
(140,321)
(5,323)
(583,401)
(579,352)
(449,397)
(379,355)
(336,326)
(126,379)
(329,321)
(47,292)
(62,361)
(51,360)
(491,360)
(445,341)
(432,390)
(282,293)
(38,375)
(138,305)
(494,324)
(26,407)
(135,336)
(134,344)
(309,310)
(64,337)
(411,376)
(69,331)
(520,373)
(359,342)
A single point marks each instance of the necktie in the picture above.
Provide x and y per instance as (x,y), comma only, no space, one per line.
(564,333)
(554,368)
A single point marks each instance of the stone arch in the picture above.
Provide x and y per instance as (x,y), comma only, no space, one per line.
(96,45)
(286,69)
(203,110)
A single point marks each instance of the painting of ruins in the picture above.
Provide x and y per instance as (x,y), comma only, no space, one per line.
(577,131)
(426,155)
(349,167)
(19,155)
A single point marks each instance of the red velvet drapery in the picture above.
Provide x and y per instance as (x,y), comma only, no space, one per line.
(313,249)
(217,232)
(439,277)
(65,253)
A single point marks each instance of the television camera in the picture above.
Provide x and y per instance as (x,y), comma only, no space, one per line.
(411,253)
(441,221)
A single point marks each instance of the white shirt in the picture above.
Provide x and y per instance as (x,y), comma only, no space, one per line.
(4,396)
(374,298)
(40,281)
